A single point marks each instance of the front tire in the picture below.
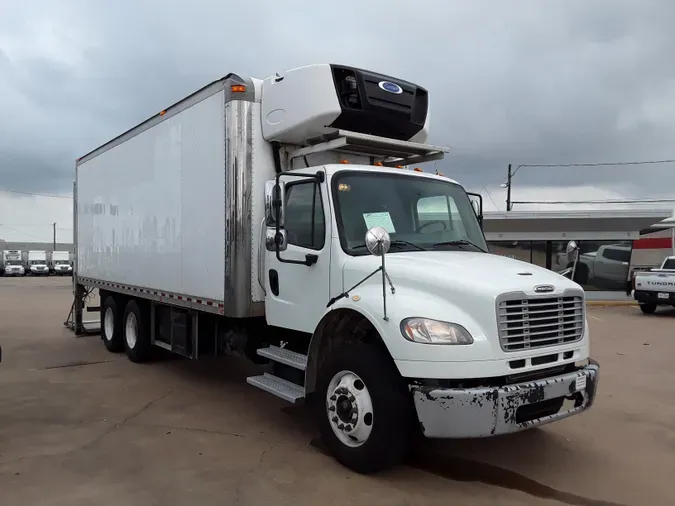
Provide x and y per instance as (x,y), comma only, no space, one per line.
(648,308)
(363,409)
(136,333)
(111,325)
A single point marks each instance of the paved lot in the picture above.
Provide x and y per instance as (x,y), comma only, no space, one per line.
(80,426)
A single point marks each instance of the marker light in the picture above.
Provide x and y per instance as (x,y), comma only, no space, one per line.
(344,162)
(417,169)
(162,113)
(238,88)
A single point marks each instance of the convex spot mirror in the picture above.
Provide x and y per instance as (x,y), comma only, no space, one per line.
(378,241)
(572,251)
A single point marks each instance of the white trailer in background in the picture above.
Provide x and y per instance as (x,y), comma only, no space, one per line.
(37,263)
(12,263)
(60,263)
(254,217)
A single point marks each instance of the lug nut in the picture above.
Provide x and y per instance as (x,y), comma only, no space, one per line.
(341,426)
(351,398)
(354,420)
(333,397)
(334,419)
(331,408)
(348,428)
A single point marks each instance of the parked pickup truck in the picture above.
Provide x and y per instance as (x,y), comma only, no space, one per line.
(655,287)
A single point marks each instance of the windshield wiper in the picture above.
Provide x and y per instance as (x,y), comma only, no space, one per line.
(461,242)
(397,242)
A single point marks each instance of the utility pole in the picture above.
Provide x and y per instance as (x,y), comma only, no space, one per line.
(508,189)
(54,247)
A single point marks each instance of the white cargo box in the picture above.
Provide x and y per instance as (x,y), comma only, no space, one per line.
(162,207)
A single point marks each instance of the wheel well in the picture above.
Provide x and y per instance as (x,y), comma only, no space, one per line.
(338,328)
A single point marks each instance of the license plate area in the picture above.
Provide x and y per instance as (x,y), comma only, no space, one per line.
(662,295)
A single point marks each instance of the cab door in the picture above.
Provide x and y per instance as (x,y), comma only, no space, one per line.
(297,276)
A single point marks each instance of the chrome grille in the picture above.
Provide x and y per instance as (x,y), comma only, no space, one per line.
(539,322)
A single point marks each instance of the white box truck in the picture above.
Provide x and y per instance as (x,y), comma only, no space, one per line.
(276,219)
(37,263)
(60,264)
(12,263)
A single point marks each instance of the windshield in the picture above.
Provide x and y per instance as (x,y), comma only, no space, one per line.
(37,262)
(13,262)
(418,213)
(61,262)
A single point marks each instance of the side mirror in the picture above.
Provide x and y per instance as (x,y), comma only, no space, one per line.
(378,241)
(275,197)
(572,250)
(476,200)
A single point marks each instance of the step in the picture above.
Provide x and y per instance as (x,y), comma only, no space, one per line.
(284,356)
(276,386)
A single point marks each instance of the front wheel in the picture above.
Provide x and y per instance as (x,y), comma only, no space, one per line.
(648,308)
(363,408)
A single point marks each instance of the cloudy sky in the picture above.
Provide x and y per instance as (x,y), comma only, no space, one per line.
(522,82)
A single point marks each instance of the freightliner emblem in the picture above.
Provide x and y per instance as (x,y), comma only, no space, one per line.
(543,288)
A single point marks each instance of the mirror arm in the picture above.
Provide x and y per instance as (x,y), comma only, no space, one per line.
(346,293)
(576,261)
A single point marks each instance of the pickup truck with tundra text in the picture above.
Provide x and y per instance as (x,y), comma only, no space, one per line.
(655,287)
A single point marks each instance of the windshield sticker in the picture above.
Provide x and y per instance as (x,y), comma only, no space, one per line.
(382,219)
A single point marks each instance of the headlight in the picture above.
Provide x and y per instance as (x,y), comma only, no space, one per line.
(424,330)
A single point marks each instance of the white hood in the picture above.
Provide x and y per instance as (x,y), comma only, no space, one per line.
(467,273)
(460,287)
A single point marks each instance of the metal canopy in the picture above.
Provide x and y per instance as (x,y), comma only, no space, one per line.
(596,225)
(396,152)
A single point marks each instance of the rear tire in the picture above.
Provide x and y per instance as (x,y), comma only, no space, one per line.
(363,409)
(648,308)
(136,333)
(111,325)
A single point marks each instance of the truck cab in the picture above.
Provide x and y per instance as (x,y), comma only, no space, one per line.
(37,263)
(60,264)
(12,263)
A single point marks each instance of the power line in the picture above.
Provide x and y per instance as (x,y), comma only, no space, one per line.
(598,164)
(36,194)
(599,201)
(35,225)
(490,197)
(21,233)
(592,164)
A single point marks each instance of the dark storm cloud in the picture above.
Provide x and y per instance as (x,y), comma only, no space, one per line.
(517,82)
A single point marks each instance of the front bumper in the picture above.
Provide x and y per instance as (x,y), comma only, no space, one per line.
(652,297)
(486,411)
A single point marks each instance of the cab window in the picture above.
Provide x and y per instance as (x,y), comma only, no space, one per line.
(304,221)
